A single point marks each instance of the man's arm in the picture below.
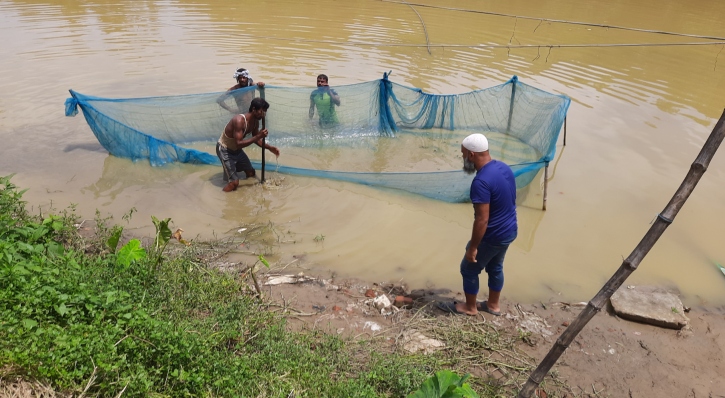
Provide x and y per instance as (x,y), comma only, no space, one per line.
(263,134)
(238,127)
(334,97)
(312,105)
(480,224)
(271,148)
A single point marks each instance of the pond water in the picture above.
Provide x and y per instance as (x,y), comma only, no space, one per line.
(638,118)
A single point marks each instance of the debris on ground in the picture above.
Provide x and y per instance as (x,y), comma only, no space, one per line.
(414,341)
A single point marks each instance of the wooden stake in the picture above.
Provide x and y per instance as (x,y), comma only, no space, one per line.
(546,183)
(663,220)
(565,131)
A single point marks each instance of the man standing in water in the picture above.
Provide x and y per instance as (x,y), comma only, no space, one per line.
(242,99)
(493,193)
(229,148)
(324,99)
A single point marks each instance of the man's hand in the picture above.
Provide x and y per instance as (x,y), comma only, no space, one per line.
(260,84)
(471,253)
(273,149)
(262,134)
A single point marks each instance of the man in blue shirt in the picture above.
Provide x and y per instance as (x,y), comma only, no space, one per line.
(493,194)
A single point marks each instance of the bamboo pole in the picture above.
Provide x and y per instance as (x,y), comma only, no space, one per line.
(564,130)
(663,220)
(546,183)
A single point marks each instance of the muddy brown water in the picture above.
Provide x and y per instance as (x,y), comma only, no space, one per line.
(638,118)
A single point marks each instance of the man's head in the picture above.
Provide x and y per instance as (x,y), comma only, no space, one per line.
(242,77)
(322,80)
(258,108)
(475,152)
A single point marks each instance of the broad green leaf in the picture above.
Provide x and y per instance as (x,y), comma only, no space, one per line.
(34,268)
(55,248)
(38,233)
(264,260)
(26,247)
(163,233)
(20,270)
(29,323)
(112,241)
(444,384)
(57,225)
(465,391)
(130,252)
(62,309)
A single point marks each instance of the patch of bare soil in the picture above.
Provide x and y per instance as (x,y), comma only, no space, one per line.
(611,357)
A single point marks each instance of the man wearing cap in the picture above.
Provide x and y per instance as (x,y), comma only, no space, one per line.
(243,100)
(493,194)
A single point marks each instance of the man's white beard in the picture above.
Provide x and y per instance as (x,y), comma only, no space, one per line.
(468,166)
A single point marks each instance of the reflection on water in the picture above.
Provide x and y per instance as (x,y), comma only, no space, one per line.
(638,118)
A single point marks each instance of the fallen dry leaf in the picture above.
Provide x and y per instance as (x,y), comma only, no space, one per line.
(177,235)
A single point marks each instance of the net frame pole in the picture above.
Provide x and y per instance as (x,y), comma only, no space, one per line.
(564,130)
(511,105)
(546,184)
(264,140)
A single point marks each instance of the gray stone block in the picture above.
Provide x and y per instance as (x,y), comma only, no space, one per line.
(651,305)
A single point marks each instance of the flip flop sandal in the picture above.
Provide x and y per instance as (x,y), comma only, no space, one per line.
(450,307)
(484,307)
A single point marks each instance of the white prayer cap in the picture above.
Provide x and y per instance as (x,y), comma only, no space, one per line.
(475,143)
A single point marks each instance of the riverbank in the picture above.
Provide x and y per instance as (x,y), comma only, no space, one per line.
(83,313)
(611,357)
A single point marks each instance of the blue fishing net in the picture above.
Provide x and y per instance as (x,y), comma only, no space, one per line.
(382,134)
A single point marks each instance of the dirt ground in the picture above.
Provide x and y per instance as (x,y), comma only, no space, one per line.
(611,357)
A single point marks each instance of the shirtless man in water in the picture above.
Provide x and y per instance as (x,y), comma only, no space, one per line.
(229,149)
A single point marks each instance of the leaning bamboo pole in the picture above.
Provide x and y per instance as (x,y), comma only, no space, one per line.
(664,219)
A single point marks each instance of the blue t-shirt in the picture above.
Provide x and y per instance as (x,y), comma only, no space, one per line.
(495,184)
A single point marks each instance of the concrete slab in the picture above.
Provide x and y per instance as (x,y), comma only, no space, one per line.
(650,304)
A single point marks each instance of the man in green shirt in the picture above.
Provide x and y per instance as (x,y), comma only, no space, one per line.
(324,99)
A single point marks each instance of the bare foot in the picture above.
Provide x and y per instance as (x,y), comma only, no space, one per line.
(463,308)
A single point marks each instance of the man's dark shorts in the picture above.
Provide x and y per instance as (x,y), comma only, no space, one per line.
(233,162)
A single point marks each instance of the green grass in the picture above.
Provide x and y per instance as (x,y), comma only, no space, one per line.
(75,317)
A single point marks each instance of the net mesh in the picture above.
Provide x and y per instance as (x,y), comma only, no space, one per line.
(382,134)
